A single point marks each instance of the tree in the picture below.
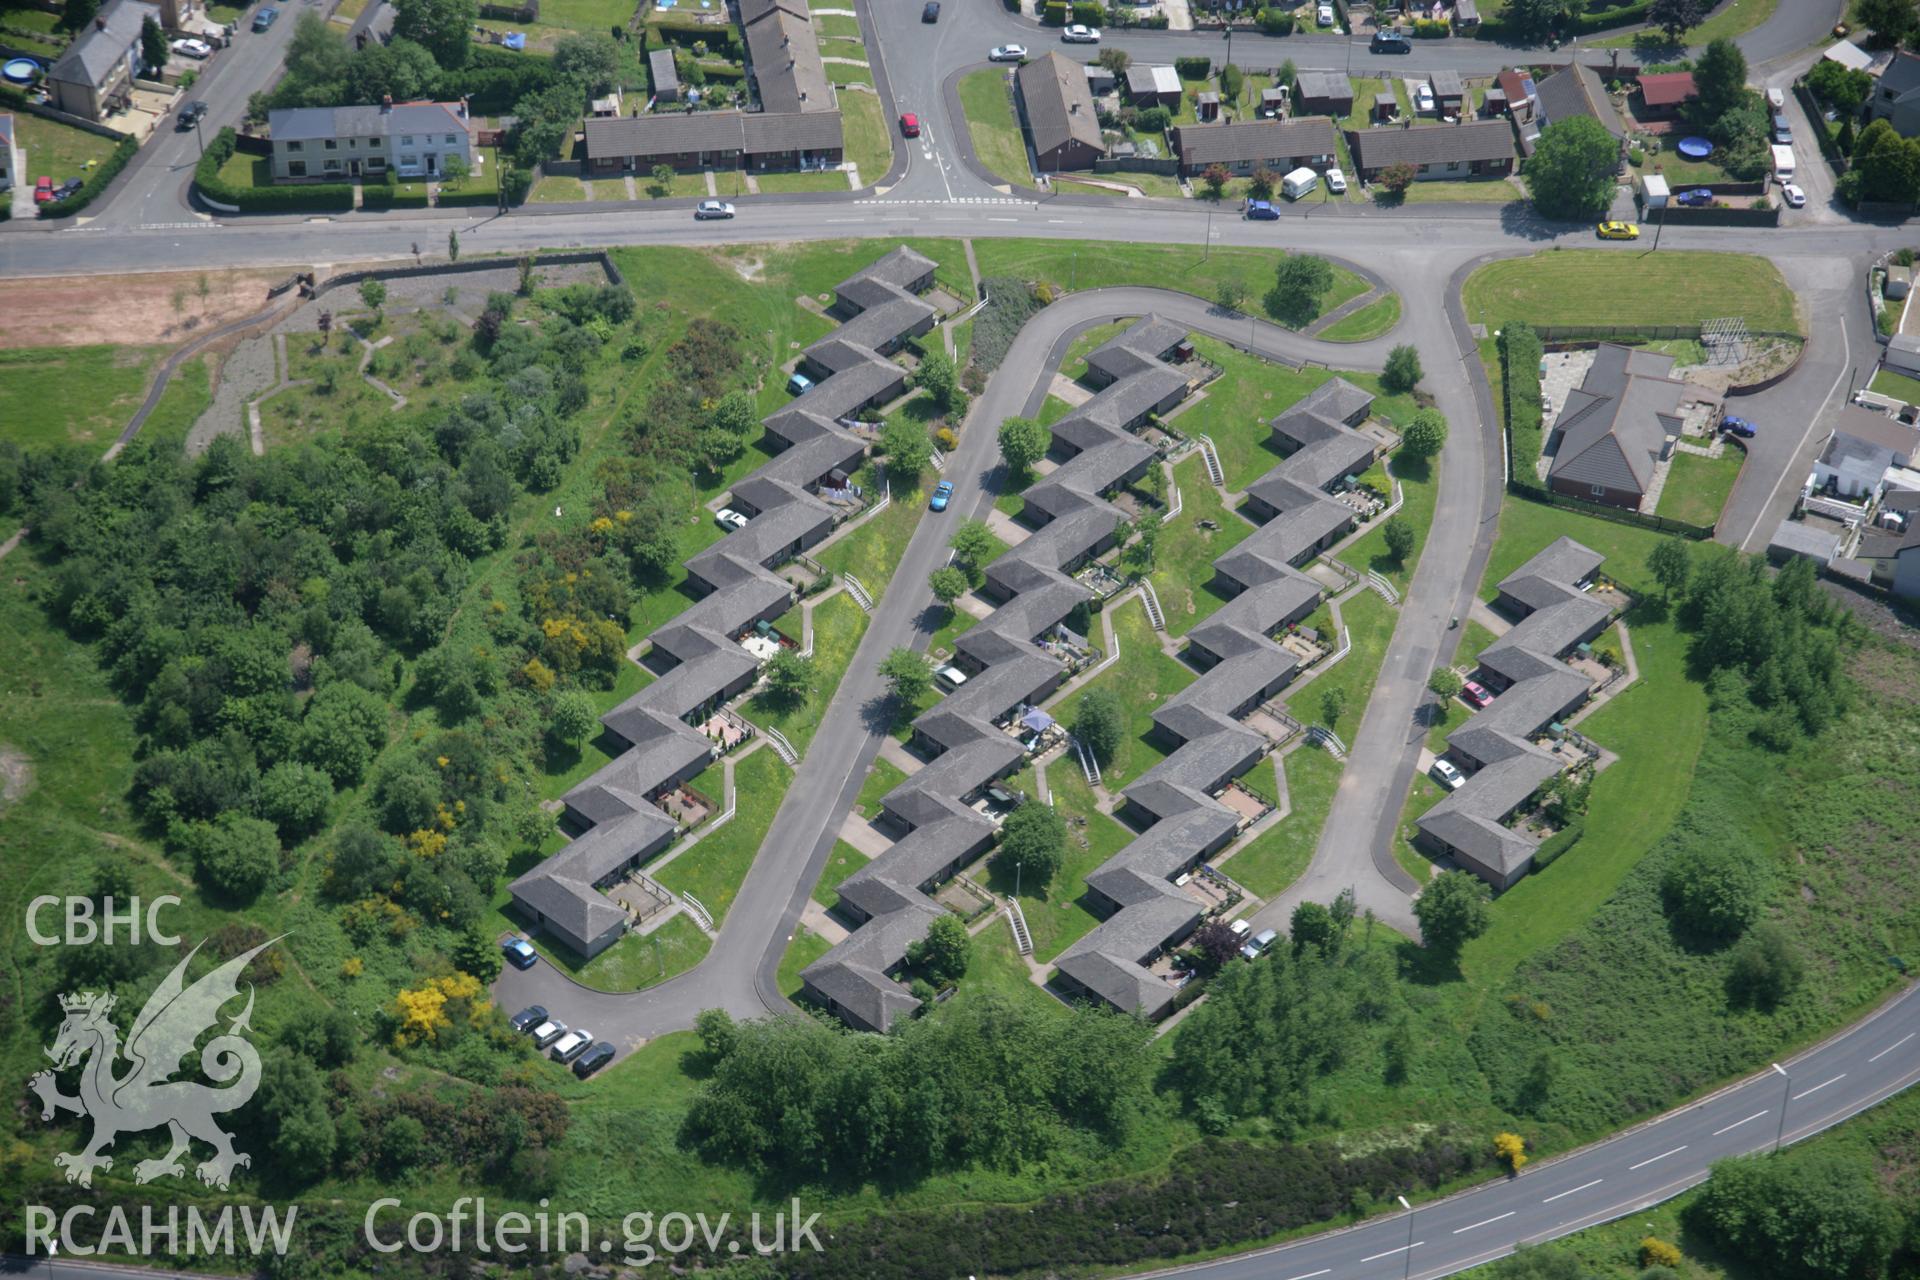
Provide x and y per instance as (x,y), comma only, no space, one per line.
(1033,840)
(1676,17)
(1670,564)
(1719,80)
(1099,724)
(343,723)
(948,583)
(1824,1216)
(1398,176)
(77,15)
(1452,911)
(590,60)
(453,246)
(453,172)
(1425,435)
(1403,370)
(908,450)
(1845,89)
(1333,705)
(945,951)
(1312,926)
(1215,176)
(1399,536)
(719,1034)
(937,378)
(1023,442)
(660,179)
(294,797)
(1446,682)
(1766,969)
(1260,186)
(1714,890)
(1540,18)
(1115,60)
(233,855)
(1892,21)
(1572,172)
(573,721)
(1655,1252)
(789,676)
(153,42)
(1230,293)
(1300,282)
(907,675)
(291,1104)
(443,27)
(374,294)
(973,543)
(1890,169)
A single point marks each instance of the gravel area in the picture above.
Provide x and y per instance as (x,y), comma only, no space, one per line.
(249,371)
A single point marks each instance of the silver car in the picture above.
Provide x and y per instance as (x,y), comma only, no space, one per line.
(712,209)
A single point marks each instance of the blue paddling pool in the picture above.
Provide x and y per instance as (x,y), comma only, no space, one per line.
(1694,148)
(20,71)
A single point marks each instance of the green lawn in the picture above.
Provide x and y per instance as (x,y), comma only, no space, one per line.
(872,552)
(1056,916)
(1697,488)
(55,150)
(1604,286)
(790,183)
(713,869)
(1467,191)
(1167,266)
(806,947)
(869,135)
(1239,404)
(1898,385)
(838,26)
(881,778)
(1184,556)
(1370,622)
(838,624)
(1278,855)
(1073,365)
(1162,186)
(597,16)
(1369,551)
(1368,322)
(1142,678)
(997,140)
(842,861)
(79,395)
(559,190)
(187,396)
(1526,527)
(1736,19)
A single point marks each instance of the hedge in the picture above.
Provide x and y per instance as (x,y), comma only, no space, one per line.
(1089,13)
(1276,22)
(95,183)
(1556,844)
(1520,354)
(1431,29)
(1193,68)
(1053,13)
(326,197)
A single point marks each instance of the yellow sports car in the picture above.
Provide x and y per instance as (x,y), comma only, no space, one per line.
(1619,231)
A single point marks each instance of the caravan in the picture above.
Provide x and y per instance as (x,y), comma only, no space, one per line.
(1299,183)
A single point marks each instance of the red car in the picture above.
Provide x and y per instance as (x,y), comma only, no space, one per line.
(909,125)
(1475,694)
(43,191)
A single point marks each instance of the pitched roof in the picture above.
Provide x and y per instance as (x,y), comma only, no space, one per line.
(665,75)
(103,45)
(1614,426)
(785,57)
(316,124)
(1465,143)
(1324,85)
(663,133)
(1667,88)
(1576,90)
(1901,77)
(1254,140)
(1446,84)
(1877,430)
(1058,103)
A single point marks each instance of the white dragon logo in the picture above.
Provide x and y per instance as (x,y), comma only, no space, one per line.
(145,1097)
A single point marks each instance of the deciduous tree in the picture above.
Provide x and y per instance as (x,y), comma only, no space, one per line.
(1399,536)
(1099,723)
(907,675)
(1023,442)
(1033,840)
(1425,435)
(908,450)
(1446,682)
(1822,1216)
(1300,282)
(1676,17)
(1403,370)
(1670,564)
(1573,168)
(1452,911)
(946,950)
(936,377)
(790,677)
(444,27)
(949,584)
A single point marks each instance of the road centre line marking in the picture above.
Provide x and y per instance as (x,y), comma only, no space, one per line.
(1389,1253)
(1817,1088)
(1890,1048)
(1582,1187)
(1311,1274)
(1489,1222)
(1649,1160)
(1736,1124)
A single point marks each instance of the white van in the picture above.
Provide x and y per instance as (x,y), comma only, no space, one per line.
(1299,183)
(1783,163)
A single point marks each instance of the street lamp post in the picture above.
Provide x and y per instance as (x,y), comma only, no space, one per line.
(1786,1096)
(1407,1270)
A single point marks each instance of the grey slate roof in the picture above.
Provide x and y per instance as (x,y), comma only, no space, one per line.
(1474,140)
(784,56)
(1324,85)
(669,133)
(95,51)
(1877,432)
(1254,140)
(666,77)
(1576,90)
(1446,84)
(1614,426)
(1059,105)
(316,124)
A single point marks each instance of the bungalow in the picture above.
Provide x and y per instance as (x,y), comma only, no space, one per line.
(1892,550)
(1153,86)
(1278,145)
(1479,148)
(1053,95)
(1618,426)
(337,144)
(94,77)
(1575,90)
(783,57)
(1322,93)
(690,140)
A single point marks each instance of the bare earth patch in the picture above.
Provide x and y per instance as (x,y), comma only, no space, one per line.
(16,775)
(135,310)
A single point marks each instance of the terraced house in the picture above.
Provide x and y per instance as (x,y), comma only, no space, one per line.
(698,659)
(336,144)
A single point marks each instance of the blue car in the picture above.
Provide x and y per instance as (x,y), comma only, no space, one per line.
(1738,427)
(942,494)
(1262,211)
(520,953)
(1699,197)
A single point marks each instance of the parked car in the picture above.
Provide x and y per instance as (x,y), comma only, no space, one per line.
(1619,231)
(909,125)
(528,1018)
(1475,694)
(593,1059)
(1240,928)
(1777,99)
(1794,196)
(547,1032)
(932,11)
(70,187)
(520,953)
(190,115)
(712,209)
(1546,407)
(799,384)
(1447,776)
(1261,941)
(942,495)
(1007,53)
(1782,131)
(729,519)
(1078,33)
(264,19)
(43,190)
(1423,100)
(1738,427)
(1389,42)
(188,47)
(571,1045)
(1262,211)
(950,677)
(1324,15)
(1336,182)
(1697,198)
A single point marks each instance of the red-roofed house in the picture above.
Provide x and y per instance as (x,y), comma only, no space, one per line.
(1661,96)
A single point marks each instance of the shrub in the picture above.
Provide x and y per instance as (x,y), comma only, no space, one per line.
(1714,890)
(1193,67)
(1397,177)
(1089,12)
(1512,1149)
(1431,29)
(1521,352)
(1009,305)
(1655,1252)
(1054,13)
(1556,844)
(1276,22)
(1153,120)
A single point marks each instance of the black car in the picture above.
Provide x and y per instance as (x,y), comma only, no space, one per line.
(932,12)
(1389,42)
(264,19)
(67,188)
(190,115)
(593,1059)
(528,1018)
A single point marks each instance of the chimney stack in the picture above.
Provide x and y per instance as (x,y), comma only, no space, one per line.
(99,23)
(386,103)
